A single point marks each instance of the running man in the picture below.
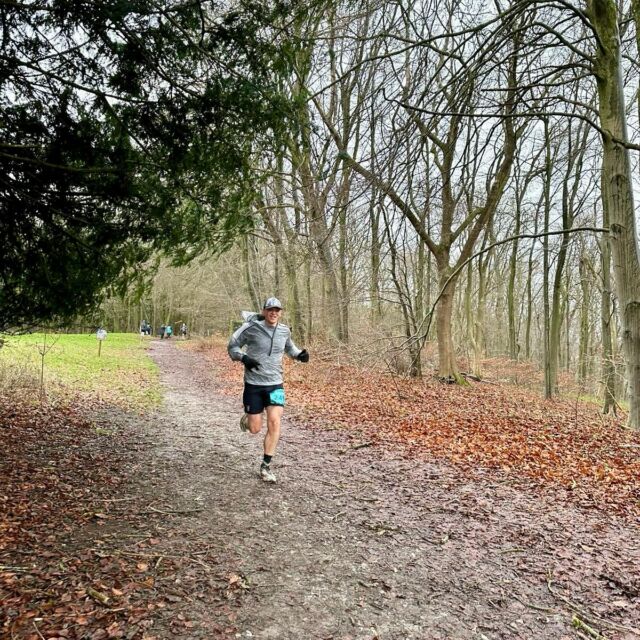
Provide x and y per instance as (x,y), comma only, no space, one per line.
(266,341)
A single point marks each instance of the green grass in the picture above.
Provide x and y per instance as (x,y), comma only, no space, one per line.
(595,400)
(123,373)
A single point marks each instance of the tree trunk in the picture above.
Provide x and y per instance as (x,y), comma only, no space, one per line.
(618,192)
(307,276)
(248,275)
(283,236)
(557,311)
(468,311)
(314,197)
(606,316)
(343,257)
(548,371)
(374,281)
(276,272)
(568,314)
(320,234)
(610,404)
(447,362)
(511,301)
(479,329)
(583,360)
(527,334)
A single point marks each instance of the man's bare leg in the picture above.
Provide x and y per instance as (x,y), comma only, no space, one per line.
(254,422)
(274,417)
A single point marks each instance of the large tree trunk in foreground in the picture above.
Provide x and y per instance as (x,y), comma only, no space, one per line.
(618,192)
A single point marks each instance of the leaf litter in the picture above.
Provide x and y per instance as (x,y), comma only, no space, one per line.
(566,445)
(147,533)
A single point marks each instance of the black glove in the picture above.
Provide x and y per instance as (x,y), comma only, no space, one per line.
(303,356)
(250,363)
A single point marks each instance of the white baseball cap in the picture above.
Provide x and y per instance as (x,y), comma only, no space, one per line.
(272,303)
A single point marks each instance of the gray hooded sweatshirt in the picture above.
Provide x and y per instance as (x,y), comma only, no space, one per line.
(267,345)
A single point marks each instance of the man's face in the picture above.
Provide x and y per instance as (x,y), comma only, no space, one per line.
(272,315)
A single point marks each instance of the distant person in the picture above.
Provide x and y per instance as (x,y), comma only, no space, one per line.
(145,329)
(161,332)
(265,341)
(183,330)
(168,332)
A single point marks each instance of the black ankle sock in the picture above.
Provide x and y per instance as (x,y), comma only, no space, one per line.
(266,459)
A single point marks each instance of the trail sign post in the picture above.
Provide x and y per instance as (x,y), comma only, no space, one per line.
(101,334)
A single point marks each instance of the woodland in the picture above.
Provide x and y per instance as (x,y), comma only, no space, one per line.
(451,174)
(457,176)
(444,197)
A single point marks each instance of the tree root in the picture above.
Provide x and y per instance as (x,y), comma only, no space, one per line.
(589,617)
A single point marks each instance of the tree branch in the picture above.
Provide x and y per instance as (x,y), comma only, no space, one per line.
(498,243)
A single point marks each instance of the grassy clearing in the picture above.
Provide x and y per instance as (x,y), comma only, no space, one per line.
(123,373)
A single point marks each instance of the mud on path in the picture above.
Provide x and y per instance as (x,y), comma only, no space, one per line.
(357,543)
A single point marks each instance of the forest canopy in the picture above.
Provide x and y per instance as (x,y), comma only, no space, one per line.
(127,129)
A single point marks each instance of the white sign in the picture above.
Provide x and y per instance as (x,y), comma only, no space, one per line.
(101,334)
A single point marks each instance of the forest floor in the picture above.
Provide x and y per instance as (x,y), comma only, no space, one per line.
(157,526)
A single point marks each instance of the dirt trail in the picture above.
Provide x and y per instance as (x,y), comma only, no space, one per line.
(358,544)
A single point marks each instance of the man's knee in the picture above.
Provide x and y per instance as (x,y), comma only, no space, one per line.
(255,422)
